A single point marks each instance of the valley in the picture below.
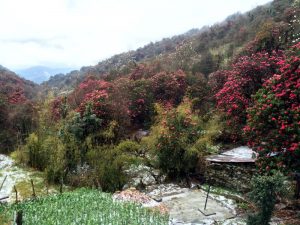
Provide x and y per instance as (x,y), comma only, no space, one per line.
(199,128)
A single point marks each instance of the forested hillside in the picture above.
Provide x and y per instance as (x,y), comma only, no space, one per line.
(209,80)
(17,97)
(234,83)
(119,62)
(200,50)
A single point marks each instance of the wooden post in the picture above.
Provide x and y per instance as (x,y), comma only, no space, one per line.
(47,188)
(16,193)
(207,197)
(297,190)
(205,212)
(3,182)
(95,184)
(33,191)
(19,218)
(61,185)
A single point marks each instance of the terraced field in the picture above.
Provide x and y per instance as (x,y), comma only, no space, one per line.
(83,206)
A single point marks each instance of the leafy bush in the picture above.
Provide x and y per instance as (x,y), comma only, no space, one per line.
(263,194)
(110,162)
(37,158)
(83,125)
(172,140)
(211,131)
(180,139)
(56,163)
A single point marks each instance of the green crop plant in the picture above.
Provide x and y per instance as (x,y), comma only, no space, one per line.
(83,206)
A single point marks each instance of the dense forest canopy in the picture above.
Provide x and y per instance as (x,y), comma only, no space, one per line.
(17,99)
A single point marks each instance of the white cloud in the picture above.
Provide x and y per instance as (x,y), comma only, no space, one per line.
(82,32)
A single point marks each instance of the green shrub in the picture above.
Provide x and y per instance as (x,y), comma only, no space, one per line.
(180,139)
(37,158)
(20,156)
(56,158)
(109,163)
(263,194)
(172,140)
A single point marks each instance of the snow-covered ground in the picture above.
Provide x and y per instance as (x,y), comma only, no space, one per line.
(12,175)
(241,152)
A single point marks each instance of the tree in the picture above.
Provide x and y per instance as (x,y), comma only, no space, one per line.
(175,150)
(273,126)
(245,78)
(141,104)
(198,92)
(206,65)
(169,87)
(17,111)
(89,85)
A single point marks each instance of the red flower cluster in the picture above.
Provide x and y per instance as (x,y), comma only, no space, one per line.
(17,97)
(246,77)
(273,121)
(59,108)
(97,101)
(169,87)
(89,85)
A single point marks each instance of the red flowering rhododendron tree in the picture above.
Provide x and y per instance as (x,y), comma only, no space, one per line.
(246,77)
(17,97)
(97,100)
(169,87)
(92,92)
(108,102)
(273,125)
(17,111)
(59,108)
(141,104)
(216,80)
(89,85)
(140,71)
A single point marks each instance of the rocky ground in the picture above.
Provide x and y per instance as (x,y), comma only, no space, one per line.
(12,175)
(184,205)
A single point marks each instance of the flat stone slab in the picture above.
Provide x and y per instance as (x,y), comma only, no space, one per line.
(185,208)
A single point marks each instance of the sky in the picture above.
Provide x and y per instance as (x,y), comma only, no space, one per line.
(76,33)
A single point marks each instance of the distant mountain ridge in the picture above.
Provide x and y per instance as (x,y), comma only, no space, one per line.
(149,51)
(39,74)
(202,50)
(10,81)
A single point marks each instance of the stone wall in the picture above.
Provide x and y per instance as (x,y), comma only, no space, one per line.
(235,176)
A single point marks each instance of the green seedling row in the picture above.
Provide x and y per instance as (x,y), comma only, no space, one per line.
(84,207)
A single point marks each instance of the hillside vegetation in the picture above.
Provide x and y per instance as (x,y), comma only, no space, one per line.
(17,97)
(234,83)
(199,50)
